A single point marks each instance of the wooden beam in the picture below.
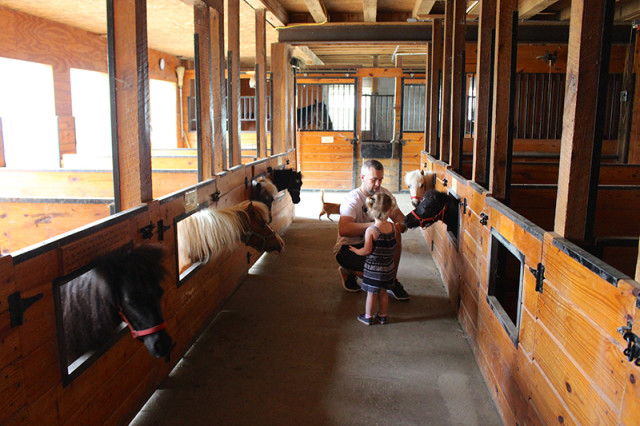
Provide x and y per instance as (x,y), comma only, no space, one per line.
(281,79)
(3,162)
(317,10)
(422,7)
(586,88)
(369,10)
(201,25)
(626,104)
(233,82)
(529,8)
(277,15)
(458,83)
(427,98)
(484,94)
(261,83)
(445,117)
(435,77)
(628,10)
(219,85)
(505,54)
(634,135)
(132,151)
(306,55)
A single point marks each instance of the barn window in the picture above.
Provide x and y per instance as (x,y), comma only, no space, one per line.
(414,107)
(505,283)
(27,110)
(452,220)
(163,123)
(323,107)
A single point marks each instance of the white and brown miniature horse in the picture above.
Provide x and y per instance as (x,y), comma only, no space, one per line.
(419,182)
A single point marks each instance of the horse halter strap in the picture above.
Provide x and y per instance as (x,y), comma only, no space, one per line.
(146,331)
(252,233)
(430,220)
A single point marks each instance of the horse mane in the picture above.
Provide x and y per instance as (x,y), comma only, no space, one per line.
(90,302)
(211,231)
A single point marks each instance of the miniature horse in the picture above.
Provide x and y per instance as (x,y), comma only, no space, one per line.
(418,182)
(288,179)
(433,206)
(125,286)
(264,191)
(314,117)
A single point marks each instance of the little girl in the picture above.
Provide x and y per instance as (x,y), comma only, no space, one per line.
(379,267)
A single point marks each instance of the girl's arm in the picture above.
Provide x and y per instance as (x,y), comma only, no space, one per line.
(368,243)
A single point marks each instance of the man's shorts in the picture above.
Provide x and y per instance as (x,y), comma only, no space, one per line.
(349,260)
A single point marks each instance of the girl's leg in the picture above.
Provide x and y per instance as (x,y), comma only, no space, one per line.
(370,304)
(384,303)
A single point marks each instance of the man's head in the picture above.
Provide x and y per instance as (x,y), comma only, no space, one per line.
(371,174)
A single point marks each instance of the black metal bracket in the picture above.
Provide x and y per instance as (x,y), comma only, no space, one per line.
(269,169)
(215,196)
(288,161)
(162,229)
(246,182)
(354,141)
(17,306)
(539,274)
(465,204)
(445,182)
(632,352)
(484,219)
(248,258)
(147,231)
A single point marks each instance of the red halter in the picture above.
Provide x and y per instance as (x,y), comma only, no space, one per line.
(146,331)
(430,220)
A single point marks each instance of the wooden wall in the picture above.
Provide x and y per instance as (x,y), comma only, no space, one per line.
(567,365)
(116,385)
(326,160)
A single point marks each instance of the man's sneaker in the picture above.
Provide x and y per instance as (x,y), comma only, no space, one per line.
(363,319)
(398,291)
(349,281)
(382,320)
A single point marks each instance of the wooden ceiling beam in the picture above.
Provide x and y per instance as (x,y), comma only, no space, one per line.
(422,7)
(317,10)
(627,10)
(307,55)
(529,8)
(369,10)
(277,15)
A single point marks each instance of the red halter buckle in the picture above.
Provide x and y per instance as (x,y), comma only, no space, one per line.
(146,331)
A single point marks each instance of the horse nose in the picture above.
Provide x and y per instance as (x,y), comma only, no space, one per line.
(161,344)
(415,203)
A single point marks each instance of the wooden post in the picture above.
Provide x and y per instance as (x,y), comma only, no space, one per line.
(583,119)
(626,106)
(435,77)
(261,83)
(427,98)
(634,136)
(202,28)
(445,117)
(66,120)
(233,75)
(282,107)
(637,277)
(484,95)
(219,88)
(505,54)
(129,67)
(458,83)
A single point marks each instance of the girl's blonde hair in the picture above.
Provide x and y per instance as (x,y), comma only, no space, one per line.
(380,205)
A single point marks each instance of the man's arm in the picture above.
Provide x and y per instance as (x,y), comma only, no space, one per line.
(347,227)
(398,218)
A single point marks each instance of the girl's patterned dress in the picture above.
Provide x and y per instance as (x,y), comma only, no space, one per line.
(379,267)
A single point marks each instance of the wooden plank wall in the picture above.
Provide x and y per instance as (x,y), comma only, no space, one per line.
(116,385)
(568,365)
(411,151)
(328,164)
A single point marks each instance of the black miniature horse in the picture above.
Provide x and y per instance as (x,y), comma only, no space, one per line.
(125,286)
(288,179)
(433,206)
(314,117)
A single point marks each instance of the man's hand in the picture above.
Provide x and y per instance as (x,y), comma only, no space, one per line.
(401,228)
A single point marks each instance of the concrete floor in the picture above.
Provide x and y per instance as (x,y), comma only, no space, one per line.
(286,349)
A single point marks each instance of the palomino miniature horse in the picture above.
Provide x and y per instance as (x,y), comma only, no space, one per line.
(418,182)
(211,231)
(433,206)
(290,180)
(124,286)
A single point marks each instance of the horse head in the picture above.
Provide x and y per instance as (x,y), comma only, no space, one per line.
(263,190)
(290,180)
(259,234)
(432,207)
(418,182)
(135,280)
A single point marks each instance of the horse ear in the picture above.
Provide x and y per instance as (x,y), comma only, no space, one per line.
(422,172)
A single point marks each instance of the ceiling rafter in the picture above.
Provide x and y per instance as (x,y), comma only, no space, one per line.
(306,55)
(530,8)
(317,10)
(422,7)
(277,15)
(370,10)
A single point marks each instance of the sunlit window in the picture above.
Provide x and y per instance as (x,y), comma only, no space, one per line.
(163,114)
(27,108)
(92,111)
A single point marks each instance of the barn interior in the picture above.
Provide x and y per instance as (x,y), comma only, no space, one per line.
(122,120)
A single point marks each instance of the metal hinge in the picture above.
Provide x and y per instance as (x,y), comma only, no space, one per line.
(147,231)
(484,219)
(539,274)
(632,352)
(17,306)
(464,206)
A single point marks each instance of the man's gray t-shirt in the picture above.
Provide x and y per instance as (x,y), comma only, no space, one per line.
(354,205)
